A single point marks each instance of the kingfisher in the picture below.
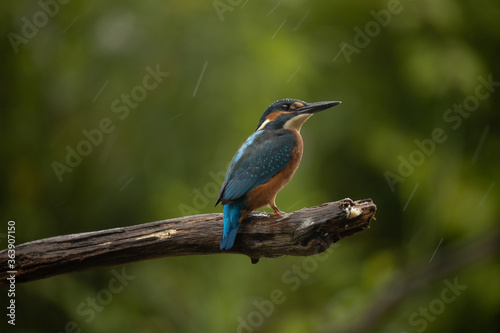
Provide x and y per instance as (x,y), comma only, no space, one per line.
(265,163)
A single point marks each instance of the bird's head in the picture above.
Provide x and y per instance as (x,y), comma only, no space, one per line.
(290,113)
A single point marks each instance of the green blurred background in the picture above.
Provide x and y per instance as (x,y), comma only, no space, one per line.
(402,69)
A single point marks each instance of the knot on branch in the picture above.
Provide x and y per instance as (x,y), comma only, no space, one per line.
(305,232)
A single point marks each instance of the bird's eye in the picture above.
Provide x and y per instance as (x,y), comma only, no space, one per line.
(285,107)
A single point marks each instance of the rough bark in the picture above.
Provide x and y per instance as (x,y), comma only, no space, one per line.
(305,232)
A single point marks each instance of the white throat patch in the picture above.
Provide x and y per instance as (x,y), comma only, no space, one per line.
(296,122)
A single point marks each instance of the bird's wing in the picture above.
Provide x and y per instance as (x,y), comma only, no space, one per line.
(263,155)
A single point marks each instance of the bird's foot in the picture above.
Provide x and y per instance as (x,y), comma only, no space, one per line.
(277,211)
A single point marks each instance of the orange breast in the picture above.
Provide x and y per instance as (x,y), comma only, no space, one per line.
(265,194)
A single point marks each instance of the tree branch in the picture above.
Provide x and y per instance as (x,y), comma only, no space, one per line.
(301,233)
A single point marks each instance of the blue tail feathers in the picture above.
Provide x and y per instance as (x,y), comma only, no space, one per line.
(232,215)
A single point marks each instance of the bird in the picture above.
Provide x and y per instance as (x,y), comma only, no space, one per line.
(265,163)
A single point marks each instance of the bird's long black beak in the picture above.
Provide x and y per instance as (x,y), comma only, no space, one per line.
(317,107)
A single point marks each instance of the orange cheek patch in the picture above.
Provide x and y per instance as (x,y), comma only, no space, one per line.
(274,115)
(297,105)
